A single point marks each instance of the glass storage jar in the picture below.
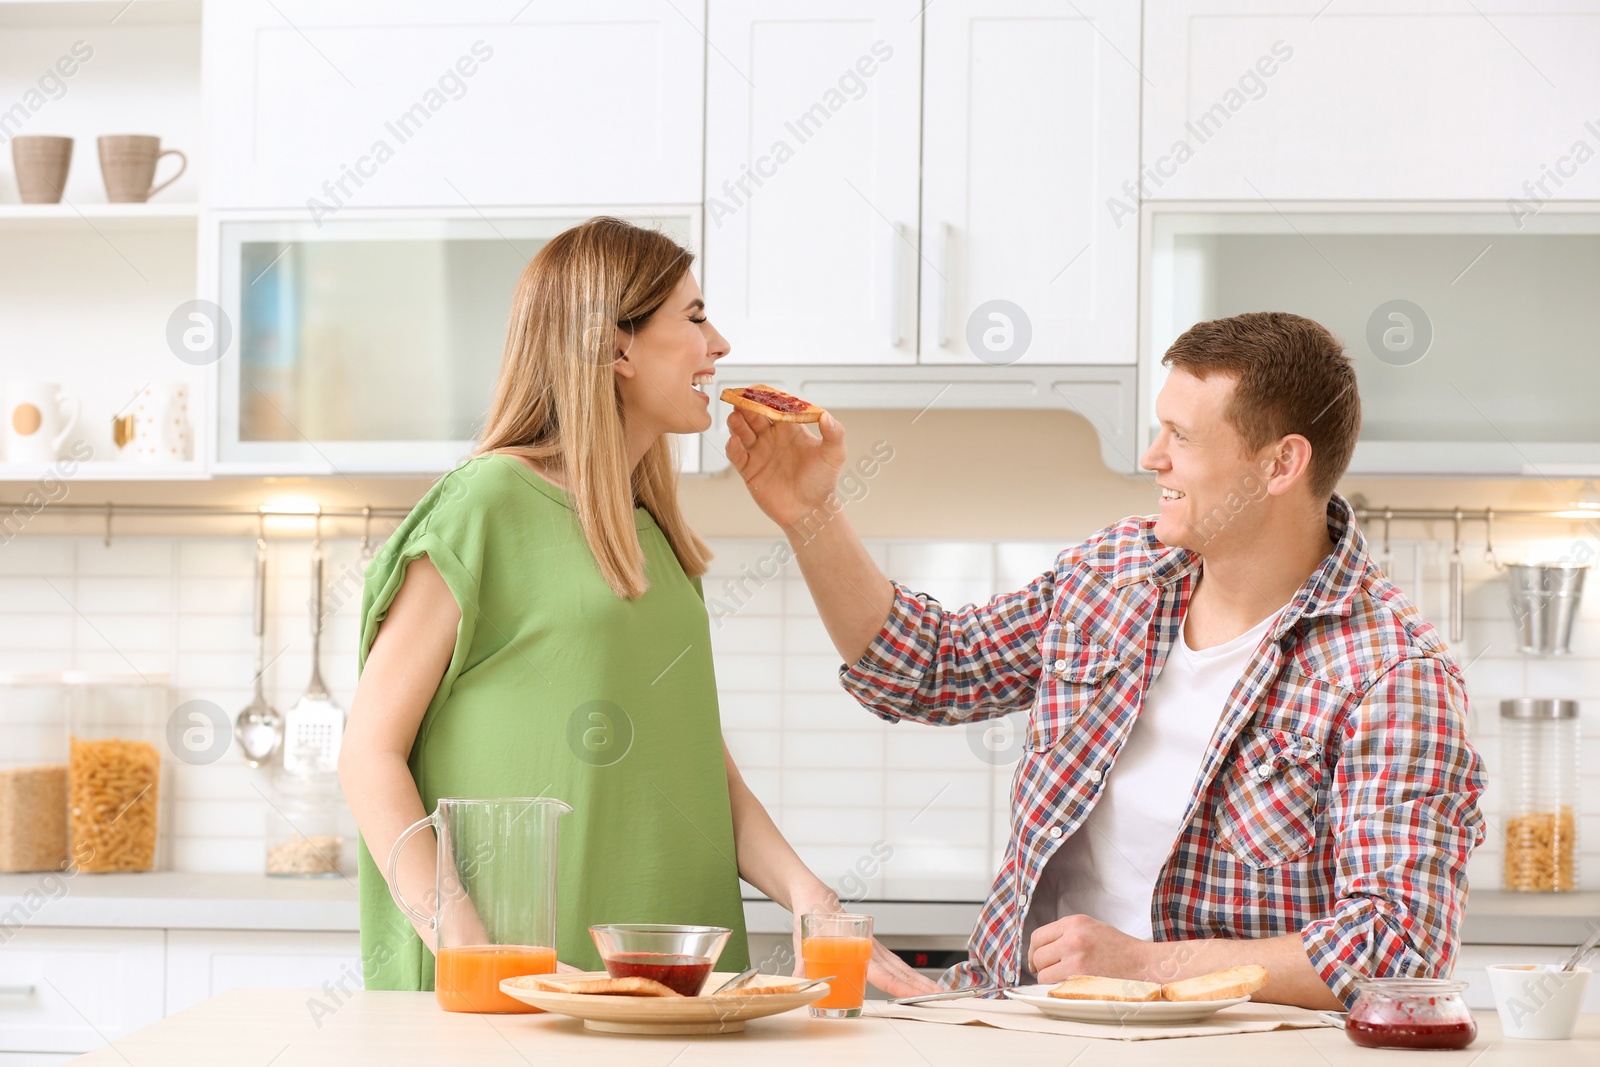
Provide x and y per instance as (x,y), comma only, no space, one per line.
(1410,1013)
(1539,776)
(33,771)
(115,769)
(303,839)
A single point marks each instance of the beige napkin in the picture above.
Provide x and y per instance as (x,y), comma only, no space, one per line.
(1247,1018)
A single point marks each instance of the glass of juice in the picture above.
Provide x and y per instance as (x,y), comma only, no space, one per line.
(839,945)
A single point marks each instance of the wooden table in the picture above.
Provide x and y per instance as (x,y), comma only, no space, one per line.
(279,1028)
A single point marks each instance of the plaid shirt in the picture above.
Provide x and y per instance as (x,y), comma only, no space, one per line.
(1338,797)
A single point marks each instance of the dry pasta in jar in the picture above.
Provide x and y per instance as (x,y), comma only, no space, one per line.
(114,789)
(1539,851)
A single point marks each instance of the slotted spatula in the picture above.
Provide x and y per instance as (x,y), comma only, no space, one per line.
(314,727)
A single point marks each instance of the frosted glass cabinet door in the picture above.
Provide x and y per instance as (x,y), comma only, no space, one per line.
(378,103)
(371,344)
(1473,341)
(811,179)
(1030,128)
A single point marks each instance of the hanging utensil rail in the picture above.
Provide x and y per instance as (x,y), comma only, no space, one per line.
(1457,516)
(107,512)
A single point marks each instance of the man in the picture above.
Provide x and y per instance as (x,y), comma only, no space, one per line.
(1243,745)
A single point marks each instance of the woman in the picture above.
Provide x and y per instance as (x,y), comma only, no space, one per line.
(536,627)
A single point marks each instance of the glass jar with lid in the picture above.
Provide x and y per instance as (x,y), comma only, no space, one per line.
(1539,776)
(302,831)
(1410,1013)
(115,769)
(33,771)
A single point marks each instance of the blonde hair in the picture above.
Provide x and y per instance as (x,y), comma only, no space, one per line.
(557,399)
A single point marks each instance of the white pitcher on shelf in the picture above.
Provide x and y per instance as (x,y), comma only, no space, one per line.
(39,418)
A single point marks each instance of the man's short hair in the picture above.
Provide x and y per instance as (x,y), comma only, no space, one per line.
(1290,376)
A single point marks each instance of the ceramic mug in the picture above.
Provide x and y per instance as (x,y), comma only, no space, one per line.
(161,423)
(128,165)
(35,426)
(41,164)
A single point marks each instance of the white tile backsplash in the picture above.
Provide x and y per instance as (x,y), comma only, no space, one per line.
(835,777)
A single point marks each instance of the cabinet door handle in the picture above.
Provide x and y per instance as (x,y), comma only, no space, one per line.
(941,309)
(17,990)
(897,285)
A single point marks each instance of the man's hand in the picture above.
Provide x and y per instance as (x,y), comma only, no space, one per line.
(789,472)
(1078,944)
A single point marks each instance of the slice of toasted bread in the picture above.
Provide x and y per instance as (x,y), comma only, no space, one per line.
(1218,985)
(1090,987)
(616,987)
(774,404)
(770,989)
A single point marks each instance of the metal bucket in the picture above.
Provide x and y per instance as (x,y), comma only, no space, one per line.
(1544,605)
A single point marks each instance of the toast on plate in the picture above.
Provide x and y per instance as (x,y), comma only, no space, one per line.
(774,404)
(1090,987)
(616,987)
(770,989)
(1218,985)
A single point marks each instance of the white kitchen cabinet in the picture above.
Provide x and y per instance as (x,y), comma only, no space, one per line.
(812,113)
(1030,127)
(374,103)
(203,963)
(65,989)
(1371,99)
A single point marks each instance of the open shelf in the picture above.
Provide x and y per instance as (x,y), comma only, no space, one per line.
(23,13)
(100,216)
(101,470)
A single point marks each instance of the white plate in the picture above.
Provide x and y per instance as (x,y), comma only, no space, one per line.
(1117,1012)
(662,1015)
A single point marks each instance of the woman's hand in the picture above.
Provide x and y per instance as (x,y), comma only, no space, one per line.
(885,970)
(895,976)
(790,473)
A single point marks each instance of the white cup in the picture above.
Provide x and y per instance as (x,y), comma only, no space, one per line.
(35,425)
(161,423)
(1537,1002)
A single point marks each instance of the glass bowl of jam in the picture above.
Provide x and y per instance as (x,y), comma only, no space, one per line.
(679,957)
(1422,1013)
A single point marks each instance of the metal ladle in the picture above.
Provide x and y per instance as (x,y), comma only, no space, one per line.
(259,727)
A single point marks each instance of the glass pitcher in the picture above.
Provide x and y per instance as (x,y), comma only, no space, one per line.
(494,898)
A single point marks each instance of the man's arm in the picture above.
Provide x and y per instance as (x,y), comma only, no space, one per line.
(792,477)
(1403,807)
(1078,944)
(1404,811)
(905,655)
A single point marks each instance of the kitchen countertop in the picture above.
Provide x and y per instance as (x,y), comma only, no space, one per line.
(176,900)
(400,1029)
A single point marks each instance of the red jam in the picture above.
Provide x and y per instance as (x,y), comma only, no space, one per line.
(683,974)
(1412,1035)
(775,400)
(1410,1013)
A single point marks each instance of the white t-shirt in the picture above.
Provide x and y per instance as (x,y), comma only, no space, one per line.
(1108,868)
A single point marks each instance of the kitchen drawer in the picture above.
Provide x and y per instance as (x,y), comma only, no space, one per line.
(203,963)
(82,987)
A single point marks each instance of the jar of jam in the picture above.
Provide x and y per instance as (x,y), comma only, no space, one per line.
(1410,1013)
